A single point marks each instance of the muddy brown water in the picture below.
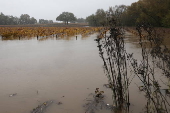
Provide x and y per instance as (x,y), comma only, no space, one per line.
(63,70)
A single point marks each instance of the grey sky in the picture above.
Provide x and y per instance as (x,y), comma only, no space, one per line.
(50,9)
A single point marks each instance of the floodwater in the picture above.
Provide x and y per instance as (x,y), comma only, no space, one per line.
(64,70)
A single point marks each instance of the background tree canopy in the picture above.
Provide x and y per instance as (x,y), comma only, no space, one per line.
(25,19)
(22,20)
(8,20)
(100,17)
(81,20)
(42,21)
(155,12)
(97,19)
(66,17)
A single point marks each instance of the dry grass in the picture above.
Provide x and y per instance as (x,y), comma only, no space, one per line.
(12,32)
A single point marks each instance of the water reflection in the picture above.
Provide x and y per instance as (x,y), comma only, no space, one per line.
(133,39)
(51,37)
(60,70)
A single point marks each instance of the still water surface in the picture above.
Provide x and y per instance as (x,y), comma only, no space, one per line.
(63,70)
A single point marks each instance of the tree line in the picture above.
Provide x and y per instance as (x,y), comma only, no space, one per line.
(155,12)
(68,17)
(22,20)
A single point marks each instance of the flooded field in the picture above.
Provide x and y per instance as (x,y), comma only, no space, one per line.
(64,70)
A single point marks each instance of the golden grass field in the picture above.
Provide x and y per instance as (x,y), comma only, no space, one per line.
(21,32)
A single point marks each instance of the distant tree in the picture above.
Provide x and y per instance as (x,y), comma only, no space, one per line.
(91,20)
(8,20)
(24,19)
(11,20)
(97,19)
(33,20)
(81,20)
(154,12)
(42,21)
(100,17)
(50,21)
(66,17)
(119,12)
(15,20)
(3,19)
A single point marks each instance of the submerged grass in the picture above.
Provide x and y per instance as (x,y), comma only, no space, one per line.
(10,33)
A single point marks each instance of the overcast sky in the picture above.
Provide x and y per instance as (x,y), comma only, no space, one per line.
(50,9)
